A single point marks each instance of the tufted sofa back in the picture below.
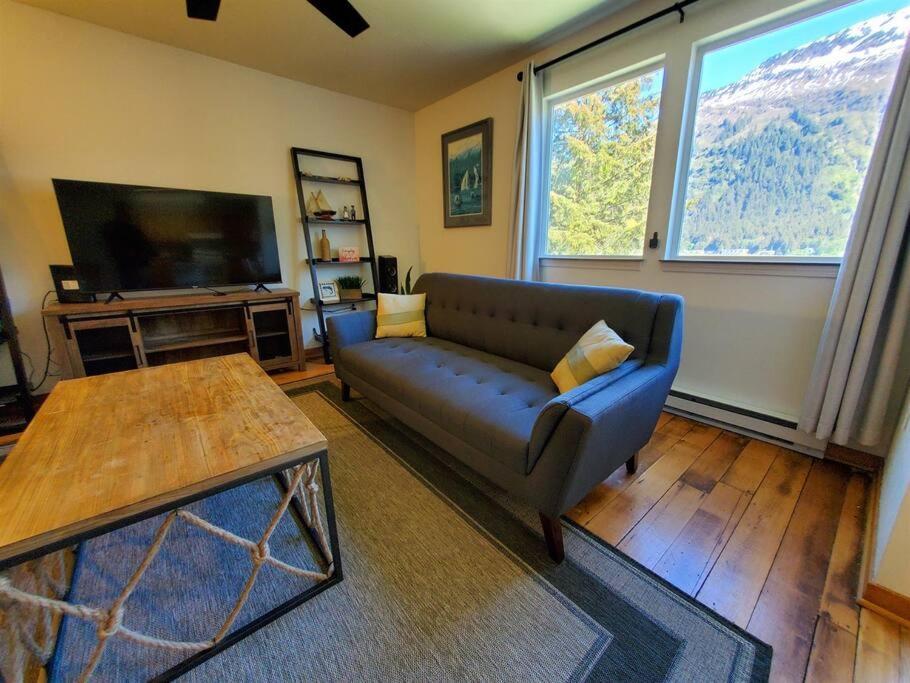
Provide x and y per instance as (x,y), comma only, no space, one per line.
(534,323)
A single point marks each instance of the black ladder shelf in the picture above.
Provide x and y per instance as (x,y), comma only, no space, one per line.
(363,221)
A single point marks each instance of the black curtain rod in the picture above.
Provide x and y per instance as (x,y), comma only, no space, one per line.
(677,7)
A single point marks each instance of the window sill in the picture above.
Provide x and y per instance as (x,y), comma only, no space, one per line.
(818,269)
(592,262)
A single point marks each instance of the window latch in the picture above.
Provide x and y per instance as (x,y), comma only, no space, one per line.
(654,242)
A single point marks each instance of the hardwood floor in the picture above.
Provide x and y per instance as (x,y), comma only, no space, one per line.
(316,371)
(769,538)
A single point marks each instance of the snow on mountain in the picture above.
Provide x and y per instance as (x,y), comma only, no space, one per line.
(836,60)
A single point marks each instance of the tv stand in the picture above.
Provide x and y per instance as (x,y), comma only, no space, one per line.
(139,332)
(262,288)
(114,296)
(210,289)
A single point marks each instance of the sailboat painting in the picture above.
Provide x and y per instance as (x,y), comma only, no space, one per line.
(467,180)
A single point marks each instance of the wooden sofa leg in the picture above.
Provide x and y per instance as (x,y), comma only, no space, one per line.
(632,463)
(345,392)
(552,533)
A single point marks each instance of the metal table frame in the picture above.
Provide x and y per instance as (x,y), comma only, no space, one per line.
(245,630)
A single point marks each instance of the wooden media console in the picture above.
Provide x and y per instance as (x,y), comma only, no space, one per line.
(148,331)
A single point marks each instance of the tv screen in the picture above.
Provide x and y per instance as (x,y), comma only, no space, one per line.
(124,237)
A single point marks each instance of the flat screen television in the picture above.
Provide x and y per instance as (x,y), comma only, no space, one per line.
(131,237)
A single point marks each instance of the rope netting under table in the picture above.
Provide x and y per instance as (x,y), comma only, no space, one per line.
(300,481)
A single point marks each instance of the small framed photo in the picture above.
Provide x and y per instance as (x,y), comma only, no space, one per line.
(467,174)
(328,292)
(348,254)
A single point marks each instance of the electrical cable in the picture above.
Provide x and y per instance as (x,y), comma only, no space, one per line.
(48,361)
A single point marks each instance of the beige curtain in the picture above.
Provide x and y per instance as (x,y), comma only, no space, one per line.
(860,353)
(526,181)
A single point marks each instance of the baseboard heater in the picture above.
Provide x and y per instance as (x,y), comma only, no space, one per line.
(750,423)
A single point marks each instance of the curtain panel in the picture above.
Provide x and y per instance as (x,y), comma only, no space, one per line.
(527,183)
(860,354)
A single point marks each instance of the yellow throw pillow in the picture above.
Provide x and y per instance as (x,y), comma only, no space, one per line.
(598,351)
(401,315)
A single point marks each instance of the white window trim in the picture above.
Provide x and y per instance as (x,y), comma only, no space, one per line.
(690,108)
(549,102)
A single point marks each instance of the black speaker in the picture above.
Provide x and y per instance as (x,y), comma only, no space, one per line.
(388,275)
(66,282)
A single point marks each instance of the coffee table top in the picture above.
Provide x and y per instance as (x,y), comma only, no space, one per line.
(103,450)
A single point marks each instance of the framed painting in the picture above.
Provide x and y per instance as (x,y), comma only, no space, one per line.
(467,175)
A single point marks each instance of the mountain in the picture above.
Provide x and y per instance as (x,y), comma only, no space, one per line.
(779,155)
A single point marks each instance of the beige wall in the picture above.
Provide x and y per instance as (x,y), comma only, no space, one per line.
(891,557)
(750,340)
(80,101)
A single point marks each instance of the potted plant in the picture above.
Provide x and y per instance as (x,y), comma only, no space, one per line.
(350,287)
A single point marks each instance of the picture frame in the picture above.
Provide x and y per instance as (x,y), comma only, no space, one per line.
(348,254)
(467,175)
(328,292)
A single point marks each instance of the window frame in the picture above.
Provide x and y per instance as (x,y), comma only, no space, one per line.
(554,99)
(724,39)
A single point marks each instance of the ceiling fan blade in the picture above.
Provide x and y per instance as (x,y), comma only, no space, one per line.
(342,14)
(203,9)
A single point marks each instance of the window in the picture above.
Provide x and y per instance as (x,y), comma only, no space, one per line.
(784,124)
(601,153)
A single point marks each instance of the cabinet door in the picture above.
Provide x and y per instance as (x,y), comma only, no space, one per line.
(101,345)
(273,341)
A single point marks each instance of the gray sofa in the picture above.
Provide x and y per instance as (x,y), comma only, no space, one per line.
(479,384)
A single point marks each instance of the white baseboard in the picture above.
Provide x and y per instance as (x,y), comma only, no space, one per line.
(746,422)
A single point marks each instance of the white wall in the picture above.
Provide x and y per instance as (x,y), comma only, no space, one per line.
(750,339)
(891,556)
(81,101)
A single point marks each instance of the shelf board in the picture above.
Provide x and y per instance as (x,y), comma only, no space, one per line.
(336,262)
(277,333)
(108,355)
(339,222)
(327,179)
(10,393)
(345,302)
(188,341)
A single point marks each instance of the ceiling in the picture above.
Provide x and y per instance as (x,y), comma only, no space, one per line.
(414,53)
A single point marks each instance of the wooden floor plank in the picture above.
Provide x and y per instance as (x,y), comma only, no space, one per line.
(701,435)
(677,426)
(905,654)
(686,562)
(834,642)
(714,462)
(833,653)
(617,482)
(878,653)
(624,511)
(750,467)
(657,530)
(735,582)
(787,608)
(842,580)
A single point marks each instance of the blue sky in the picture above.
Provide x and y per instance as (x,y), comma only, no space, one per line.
(728,64)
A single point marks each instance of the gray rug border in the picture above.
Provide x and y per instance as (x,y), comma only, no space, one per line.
(763,652)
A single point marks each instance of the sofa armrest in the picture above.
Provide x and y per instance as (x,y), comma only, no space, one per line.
(600,432)
(350,328)
(667,334)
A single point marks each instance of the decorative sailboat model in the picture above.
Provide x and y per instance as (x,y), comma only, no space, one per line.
(317,205)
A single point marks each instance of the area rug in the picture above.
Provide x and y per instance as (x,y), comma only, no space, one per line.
(445,578)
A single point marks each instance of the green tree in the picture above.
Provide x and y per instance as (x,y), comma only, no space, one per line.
(602,154)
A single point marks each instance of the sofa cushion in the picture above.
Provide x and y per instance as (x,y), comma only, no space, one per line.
(535,323)
(486,401)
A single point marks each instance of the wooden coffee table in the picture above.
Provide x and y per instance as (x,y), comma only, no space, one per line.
(108,451)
